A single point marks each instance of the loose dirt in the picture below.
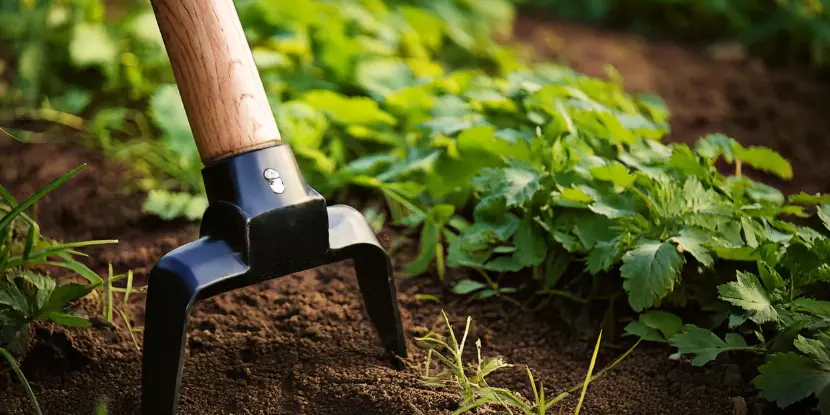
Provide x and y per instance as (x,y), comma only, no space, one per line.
(303,345)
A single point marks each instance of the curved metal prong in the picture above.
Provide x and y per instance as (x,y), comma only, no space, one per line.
(178,280)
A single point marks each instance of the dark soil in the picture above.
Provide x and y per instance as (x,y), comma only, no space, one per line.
(302,344)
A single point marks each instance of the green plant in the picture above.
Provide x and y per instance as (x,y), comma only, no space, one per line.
(27,294)
(471,378)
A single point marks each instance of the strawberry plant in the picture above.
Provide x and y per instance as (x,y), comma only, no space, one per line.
(27,293)
(535,177)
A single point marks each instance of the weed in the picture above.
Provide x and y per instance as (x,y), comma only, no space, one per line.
(471,379)
(28,295)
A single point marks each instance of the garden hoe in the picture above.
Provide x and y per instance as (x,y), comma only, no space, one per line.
(263,221)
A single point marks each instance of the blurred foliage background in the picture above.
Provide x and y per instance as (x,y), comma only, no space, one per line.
(779,30)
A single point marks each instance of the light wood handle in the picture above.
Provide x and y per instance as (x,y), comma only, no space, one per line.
(217,78)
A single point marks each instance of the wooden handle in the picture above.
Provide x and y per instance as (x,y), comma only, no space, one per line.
(217,78)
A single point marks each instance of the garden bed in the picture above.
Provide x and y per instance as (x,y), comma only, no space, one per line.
(301,344)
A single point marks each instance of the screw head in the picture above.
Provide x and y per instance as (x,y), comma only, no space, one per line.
(271,174)
(274,181)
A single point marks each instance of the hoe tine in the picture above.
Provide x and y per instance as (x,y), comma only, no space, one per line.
(350,234)
(374,275)
(178,280)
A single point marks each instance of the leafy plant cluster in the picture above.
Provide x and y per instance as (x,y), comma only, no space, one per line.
(28,294)
(470,378)
(103,70)
(554,181)
(776,29)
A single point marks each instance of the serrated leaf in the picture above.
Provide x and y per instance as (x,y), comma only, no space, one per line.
(823,212)
(691,240)
(704,345)
(748,293)
(813,348)
(788,378)
(713,146)
(765,159)
(12,297)
(650,271)
(604,254)
(44,287)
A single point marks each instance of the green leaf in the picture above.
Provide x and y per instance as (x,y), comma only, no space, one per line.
(788,378)
(467,286)
(813,348)
(44,288)
(815,307)
(824,214)
(692,240)
(650,271)
(704,345)
(604,254)
(174,205)
(517,184)
(767,160)
(349,110)
(615,173)
(667,323)
(12,297)
(713,146)
(808,199)
(577,195)
(91,44)
(643,331)
(531,248)
(504,264)
(168,113)
(65,294)
(683,159)
(381,77)
(301,125)
(66,319)
(748,293)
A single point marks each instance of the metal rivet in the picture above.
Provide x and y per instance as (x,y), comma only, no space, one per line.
(273,178)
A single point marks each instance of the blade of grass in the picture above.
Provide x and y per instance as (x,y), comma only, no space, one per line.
(588,377)
(129,328)
(56,249)
(22,379)
(129,288)
(54,184)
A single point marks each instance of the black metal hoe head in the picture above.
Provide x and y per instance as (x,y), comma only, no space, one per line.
(263,221)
